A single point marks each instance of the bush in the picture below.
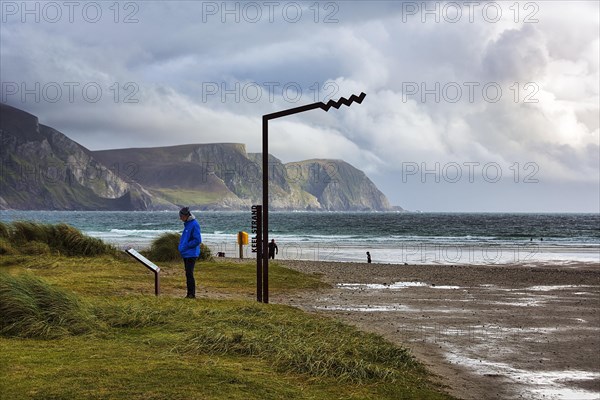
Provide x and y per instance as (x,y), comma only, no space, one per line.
(165,248)
(29,307)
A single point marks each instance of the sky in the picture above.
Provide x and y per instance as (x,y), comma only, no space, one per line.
(470,107)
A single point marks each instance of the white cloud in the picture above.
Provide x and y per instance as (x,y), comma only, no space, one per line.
(171,54)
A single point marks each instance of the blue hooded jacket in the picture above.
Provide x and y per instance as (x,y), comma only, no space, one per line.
(189,245)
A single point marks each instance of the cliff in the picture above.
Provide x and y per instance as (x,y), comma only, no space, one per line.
(42,169)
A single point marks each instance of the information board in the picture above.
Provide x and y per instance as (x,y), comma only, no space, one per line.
(149,264)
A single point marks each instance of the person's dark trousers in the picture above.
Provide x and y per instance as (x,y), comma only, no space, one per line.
(271,256)
(189,264)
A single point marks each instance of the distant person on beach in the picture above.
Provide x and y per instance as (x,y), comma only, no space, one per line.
(189,248)
(368,257)
(273,249)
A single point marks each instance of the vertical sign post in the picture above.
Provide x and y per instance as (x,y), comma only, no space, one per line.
(265,173)
(257,248)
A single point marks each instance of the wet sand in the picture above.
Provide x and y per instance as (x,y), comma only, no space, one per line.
(487,332)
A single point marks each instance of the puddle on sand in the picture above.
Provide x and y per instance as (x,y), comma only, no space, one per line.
(547,288)
(544,384)
(539,288)
(528,301)
(392,286)
(367,308)
(387,308)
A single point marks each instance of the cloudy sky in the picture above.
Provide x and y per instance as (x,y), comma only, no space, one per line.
(471,106)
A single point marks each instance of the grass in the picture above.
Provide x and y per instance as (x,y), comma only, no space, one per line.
(191,197)
(164,248)
(29,307)
(89,327)
(34,238)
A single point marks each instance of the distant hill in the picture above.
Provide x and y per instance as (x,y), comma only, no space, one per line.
(43,169)
(337,185)
(223,176)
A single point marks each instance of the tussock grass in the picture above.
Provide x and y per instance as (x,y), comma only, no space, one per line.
(26,237)
(35,248)
(317,347)
(31,308)
(6,248)
(132,313)
(164,248)
(114,339)
(3,230)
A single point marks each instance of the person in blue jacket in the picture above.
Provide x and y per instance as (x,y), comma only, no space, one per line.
(189,248)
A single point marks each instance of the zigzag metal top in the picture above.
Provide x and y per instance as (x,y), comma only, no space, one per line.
(321,105)
(342,100)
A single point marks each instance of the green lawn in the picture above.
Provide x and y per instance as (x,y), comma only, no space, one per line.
(138,346)
(196,197)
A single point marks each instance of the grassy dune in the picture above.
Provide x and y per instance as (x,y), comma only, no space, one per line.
(89,327)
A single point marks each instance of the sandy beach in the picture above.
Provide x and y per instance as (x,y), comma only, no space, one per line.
(487,332)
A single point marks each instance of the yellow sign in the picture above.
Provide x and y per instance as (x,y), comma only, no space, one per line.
(242,238)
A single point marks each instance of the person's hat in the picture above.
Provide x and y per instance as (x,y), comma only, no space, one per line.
(185,211)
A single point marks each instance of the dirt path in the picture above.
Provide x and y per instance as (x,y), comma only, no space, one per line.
(506,332)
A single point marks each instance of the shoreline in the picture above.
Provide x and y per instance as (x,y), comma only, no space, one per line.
(486,331)
(458,254)
(421,254)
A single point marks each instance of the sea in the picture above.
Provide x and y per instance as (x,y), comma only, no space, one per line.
(390,237)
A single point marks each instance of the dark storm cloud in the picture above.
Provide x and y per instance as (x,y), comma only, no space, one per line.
(178,74)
